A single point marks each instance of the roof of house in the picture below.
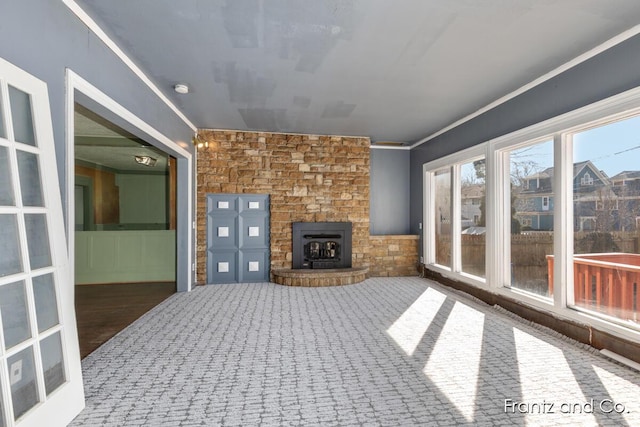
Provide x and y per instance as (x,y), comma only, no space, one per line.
(472,191)
(577,168)
(626,175)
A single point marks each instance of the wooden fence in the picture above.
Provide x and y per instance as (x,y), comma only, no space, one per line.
(529,268)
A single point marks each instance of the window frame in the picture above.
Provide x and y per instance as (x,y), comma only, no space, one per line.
(429,171)
(560,129)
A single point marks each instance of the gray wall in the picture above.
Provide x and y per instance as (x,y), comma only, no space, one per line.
(389,191)
(604,75)
(43,37)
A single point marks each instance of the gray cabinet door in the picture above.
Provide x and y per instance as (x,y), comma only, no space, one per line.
(237,238)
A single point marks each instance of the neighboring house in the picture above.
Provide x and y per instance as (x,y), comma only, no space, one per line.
(534,201)
(626,186)
(471,196)
(594,199)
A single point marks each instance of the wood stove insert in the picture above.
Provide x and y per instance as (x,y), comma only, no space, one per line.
(321,245)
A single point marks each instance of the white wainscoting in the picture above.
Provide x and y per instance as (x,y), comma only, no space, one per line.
(125,256)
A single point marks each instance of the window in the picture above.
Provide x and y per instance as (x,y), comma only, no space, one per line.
(586,179)
(554,209)
(606,254)
(472,242)
(456,199)
(443,217)
(528,263)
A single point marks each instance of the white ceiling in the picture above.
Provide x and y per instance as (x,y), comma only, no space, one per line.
(102,143)
(392,70)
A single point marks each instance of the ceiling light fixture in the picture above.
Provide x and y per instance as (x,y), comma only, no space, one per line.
(181,88)
(145,160)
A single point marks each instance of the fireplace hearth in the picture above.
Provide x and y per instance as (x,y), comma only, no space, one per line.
(321,245)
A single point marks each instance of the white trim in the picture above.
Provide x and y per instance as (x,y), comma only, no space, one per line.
(428,220)
(95,28)
(460,157)
(563,221)
(548,76)
(456,221)
(75,82)
(389,147)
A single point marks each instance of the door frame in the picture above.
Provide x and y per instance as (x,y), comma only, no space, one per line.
(82,92)
(87,188)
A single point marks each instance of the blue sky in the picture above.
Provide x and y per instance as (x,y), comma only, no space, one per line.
(613,148)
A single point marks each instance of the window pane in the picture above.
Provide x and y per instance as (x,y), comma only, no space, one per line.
(21,116)
(29,172)
(22,377)
(443,217)
(531,170)
(6,189)
(52,363)
(10,260)
(472,215)
(44,293)
(606,216)
(15,318)
(37,240)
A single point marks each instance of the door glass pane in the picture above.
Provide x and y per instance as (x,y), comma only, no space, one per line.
(10,261)
(2,421)
(22,377)
(443,217)
(44,293)
(21,116)
(52,363)
(472,215)
(15,318)
(37,240)
(29,172)
(6,188)
(3,134)
(606,220)
(531,221)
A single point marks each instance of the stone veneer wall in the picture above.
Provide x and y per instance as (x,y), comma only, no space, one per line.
(309,178)
(394,255)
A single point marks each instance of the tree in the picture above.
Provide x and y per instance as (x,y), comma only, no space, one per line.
(480,171)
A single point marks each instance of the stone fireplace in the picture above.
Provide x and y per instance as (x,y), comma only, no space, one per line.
(321,245)
(309,178)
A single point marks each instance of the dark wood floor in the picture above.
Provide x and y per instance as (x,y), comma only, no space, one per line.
(104,310)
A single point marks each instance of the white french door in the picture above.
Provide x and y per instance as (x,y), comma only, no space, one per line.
(40,376)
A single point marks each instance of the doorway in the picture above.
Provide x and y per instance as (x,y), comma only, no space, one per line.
(125,227)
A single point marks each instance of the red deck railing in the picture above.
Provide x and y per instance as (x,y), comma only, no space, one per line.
(607,282)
